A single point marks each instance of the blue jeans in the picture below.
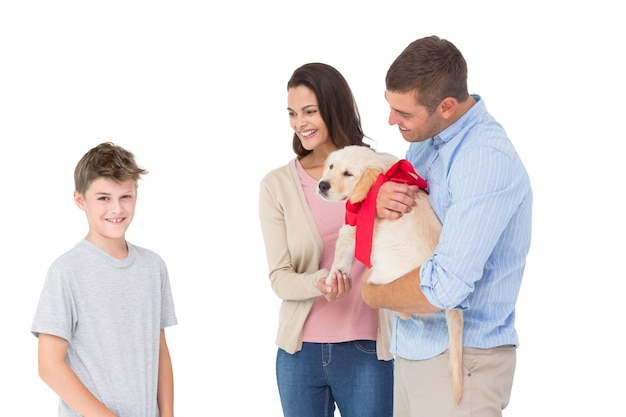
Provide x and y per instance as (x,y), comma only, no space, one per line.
(313,380)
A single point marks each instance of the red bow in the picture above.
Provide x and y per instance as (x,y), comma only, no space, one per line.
(363,214)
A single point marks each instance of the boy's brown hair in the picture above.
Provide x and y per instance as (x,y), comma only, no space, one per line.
(108,161)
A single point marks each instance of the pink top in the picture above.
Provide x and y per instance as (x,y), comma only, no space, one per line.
(349,318)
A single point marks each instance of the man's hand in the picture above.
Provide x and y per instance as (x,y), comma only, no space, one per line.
(372,294)
(402,295)
(395,199)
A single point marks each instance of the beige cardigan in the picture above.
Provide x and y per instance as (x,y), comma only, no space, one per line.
(294,248)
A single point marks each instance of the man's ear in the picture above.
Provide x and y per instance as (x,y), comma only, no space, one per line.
(447,107)
(79,199)
(369,177)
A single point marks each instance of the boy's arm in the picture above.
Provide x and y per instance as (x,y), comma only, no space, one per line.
(165,389)
(402,295)
(55,372)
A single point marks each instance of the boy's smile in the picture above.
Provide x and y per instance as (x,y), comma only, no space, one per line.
(110,207)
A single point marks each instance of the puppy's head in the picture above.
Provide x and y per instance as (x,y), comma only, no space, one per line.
(349,173)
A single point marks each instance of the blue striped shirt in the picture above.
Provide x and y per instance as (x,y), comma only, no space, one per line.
(481,191)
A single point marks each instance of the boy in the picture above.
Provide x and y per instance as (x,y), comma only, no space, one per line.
(105,303)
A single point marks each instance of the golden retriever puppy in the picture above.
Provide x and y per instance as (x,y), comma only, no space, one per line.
(353,175)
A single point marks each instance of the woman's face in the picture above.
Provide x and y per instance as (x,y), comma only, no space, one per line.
(305,117)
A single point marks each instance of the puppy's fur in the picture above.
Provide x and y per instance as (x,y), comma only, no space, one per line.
(398,246)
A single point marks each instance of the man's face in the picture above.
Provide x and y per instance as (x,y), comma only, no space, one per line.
(414,120)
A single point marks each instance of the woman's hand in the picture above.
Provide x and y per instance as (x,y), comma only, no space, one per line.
(340,286)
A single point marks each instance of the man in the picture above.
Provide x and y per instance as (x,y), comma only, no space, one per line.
(481,192)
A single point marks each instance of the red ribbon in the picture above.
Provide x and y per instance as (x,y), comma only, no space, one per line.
(363,214)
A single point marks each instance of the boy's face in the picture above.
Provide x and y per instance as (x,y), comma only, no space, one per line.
(110,207)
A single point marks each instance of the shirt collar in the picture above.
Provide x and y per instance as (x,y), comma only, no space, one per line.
(437,142)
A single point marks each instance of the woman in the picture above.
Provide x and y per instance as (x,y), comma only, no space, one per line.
(332,347)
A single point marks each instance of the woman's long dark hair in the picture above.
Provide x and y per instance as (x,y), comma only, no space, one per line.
(336,104)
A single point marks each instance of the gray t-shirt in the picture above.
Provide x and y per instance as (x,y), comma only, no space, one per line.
(111,312)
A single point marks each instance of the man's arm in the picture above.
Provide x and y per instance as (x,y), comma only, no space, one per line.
(55,372)
(165,388)
(402,295)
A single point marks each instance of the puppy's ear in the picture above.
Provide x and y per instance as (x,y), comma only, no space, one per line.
(369,177)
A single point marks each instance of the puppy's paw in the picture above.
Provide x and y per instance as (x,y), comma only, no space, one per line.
(333,271)
(329,279)
(404,316)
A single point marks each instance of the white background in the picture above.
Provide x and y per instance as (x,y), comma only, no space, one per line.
(197,90)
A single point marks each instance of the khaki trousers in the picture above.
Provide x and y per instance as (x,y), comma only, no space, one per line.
(424,389)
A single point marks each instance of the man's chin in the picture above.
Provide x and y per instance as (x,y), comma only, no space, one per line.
(407,137)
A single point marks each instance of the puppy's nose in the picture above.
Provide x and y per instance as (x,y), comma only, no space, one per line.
(323,186)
